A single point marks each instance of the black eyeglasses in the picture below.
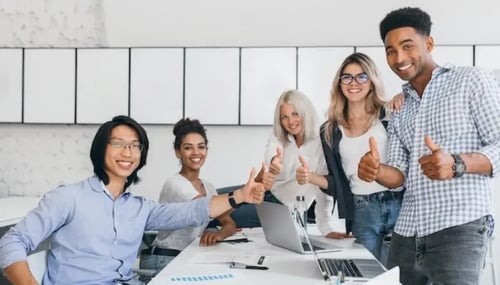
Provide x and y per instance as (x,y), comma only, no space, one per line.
(360,78)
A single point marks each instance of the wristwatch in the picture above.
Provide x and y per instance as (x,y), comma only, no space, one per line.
(458,167)
(232,202)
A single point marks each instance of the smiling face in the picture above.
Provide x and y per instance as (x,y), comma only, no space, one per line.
(192,152)
(355,91)
(123,153)
(408,53)
(291,120)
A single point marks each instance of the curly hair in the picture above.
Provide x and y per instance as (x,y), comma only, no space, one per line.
(187,126)
(406,17)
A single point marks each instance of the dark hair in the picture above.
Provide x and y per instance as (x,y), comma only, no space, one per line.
(187,126)
(101,139)
(406,17)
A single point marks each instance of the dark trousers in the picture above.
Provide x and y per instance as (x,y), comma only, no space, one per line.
(453,256)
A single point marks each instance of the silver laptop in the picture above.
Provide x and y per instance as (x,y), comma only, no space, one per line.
(280,229)
(346,269)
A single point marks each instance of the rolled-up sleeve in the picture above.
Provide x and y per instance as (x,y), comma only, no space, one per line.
(485,108)
(397,155)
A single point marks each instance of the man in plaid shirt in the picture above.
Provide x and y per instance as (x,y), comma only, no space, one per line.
(444,147)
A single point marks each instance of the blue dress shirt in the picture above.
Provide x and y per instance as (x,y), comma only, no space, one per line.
(94,238)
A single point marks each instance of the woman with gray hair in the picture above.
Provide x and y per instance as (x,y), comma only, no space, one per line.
(295,141)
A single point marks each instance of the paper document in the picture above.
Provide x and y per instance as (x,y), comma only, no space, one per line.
(208,279)
(390,277)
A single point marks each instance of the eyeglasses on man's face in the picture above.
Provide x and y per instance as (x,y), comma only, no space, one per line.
(347,78)
(133,146)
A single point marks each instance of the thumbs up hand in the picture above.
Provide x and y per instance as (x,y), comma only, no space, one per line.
(267,177)
(303,172)
(276,162)
(438,165)
(252,191)
(369,165)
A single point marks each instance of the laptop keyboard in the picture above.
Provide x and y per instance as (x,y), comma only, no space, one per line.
(347,266)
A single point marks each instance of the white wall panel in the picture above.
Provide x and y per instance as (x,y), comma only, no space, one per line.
(49,86)
(489,57)
(156,85)
(455,55)
(102,84)
(212,85)
(265,74)
(11,85)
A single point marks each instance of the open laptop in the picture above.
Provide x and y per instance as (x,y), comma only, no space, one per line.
(351,269)
(280,229)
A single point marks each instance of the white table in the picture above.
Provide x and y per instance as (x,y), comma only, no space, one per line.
(13,209)
(285,267)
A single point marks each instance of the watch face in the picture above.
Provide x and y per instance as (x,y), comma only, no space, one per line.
(458,166)
(460,169)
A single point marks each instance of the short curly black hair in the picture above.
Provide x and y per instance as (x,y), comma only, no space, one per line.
(187,126)
(406,17)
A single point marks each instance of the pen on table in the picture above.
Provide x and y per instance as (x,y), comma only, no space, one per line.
(234,240)
(243,266)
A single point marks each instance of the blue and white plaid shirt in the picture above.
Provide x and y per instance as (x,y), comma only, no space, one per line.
(460,110)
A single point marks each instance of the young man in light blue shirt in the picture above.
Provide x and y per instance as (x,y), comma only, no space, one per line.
(95,226)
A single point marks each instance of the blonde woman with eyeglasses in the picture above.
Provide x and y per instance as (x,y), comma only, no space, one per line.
(356,113)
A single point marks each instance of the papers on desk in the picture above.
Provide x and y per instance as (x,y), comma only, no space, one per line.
(221,278)
(211,258)
(209,279)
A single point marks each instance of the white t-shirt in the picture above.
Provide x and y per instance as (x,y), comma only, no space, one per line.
(351,151)
(178,189)
(286,188)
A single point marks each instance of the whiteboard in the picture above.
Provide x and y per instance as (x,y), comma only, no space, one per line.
(156,85)
(455,55)
(212,85)
(49,86)
(11,85)
(392,83)
(265,74)
(102,85)
(488,57)
(316,69)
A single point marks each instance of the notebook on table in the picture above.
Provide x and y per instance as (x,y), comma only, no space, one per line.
(280,229)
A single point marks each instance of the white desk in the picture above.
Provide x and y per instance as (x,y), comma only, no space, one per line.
(13,209)
(285,267)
